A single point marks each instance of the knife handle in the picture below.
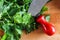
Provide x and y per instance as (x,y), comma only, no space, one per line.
(47,27)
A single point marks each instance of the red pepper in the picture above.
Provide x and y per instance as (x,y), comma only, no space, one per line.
(47,27)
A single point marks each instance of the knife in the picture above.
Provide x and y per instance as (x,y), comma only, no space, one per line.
(34,9)
(36,6)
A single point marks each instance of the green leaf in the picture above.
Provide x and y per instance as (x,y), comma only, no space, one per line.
(1,5)
(4,37)
(5,27)
(6,8)
(27,1)
(26,18)
(18,17)
(19,31)
(1,2)
(0,15)
(44,8)
(13,11)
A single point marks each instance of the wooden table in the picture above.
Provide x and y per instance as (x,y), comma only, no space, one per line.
(54,11)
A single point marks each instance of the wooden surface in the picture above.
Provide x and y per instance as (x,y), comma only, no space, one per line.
(54,11)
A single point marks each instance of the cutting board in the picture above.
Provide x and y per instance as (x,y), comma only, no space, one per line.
(54,11)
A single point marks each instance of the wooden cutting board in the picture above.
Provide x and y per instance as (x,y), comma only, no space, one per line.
(54,11)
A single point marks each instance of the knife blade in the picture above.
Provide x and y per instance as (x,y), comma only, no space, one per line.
(36,6)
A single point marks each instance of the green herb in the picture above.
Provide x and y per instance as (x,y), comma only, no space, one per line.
(43,9)
(14,18)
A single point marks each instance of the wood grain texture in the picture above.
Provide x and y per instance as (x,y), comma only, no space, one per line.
(54,11)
